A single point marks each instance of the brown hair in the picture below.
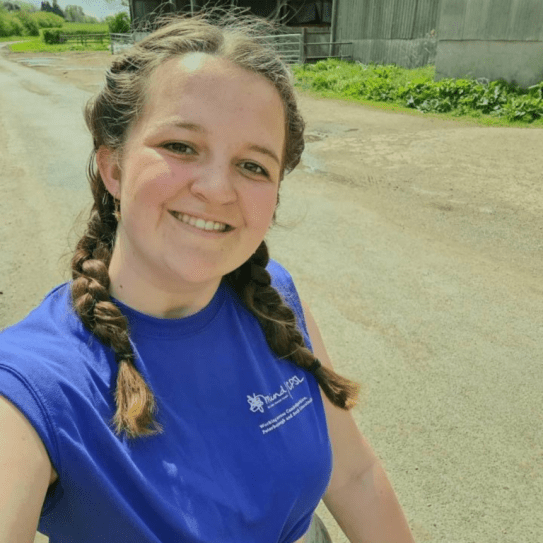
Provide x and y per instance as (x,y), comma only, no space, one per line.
(109,117)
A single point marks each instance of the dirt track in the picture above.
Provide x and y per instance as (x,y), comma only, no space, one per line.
(418,243)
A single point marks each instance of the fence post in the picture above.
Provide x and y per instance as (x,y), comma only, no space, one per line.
(333,27)
(303,40)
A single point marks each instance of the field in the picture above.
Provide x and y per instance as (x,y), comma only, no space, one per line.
(35,44)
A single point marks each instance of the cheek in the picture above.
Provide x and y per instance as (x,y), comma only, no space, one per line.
(260,206)
(154,185)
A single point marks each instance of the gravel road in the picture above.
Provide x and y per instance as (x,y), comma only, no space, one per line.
(418,244)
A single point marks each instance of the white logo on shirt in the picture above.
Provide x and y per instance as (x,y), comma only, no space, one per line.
(255,403)
(258,401)
(263,402)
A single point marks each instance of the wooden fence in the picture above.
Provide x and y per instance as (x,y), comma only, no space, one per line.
(83,39)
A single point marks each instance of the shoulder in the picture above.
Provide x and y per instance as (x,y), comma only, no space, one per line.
(281,278)
(48,332)
(53,311)
(44,365)
(283,282)
(50,344)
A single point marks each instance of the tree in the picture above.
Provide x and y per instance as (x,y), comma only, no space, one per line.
(123,2)
(74,14)
(46,6)
(11,6)
(119,23)
(17,5)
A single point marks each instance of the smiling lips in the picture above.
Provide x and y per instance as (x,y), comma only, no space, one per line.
(210,226)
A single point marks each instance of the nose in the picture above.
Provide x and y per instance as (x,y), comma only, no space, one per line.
(215,184)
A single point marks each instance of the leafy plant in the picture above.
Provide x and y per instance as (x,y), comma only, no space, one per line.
(417,89)
(10,24)
(30,25)
(119,23)
(52,36)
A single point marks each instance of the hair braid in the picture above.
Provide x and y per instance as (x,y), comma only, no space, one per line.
(90,296)
(252,282)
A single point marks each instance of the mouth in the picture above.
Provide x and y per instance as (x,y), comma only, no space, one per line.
(208,226)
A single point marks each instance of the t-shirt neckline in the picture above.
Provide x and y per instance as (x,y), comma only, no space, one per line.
(151,326)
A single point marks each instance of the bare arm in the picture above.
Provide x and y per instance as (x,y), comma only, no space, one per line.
(360,496)
(25,474)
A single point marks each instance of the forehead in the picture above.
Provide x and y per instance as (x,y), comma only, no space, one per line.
(198,81)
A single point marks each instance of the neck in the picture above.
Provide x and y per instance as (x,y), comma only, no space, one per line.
(157,296)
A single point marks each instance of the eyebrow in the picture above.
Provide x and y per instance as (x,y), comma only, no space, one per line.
(199,128)
(190,126)
(265,151)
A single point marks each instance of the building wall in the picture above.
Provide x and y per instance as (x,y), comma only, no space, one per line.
(491,39)
(399,32)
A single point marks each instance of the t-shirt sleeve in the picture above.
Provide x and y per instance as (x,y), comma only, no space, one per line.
(283,282)
(19,391)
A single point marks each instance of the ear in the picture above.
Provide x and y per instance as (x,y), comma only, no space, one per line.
(110,171)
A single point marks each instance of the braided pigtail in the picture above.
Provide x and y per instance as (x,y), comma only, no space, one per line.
(252,282)
(91,301)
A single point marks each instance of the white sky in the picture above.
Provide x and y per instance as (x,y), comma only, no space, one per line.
(97,8)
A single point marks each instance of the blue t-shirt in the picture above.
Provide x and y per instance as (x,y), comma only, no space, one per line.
(245,455)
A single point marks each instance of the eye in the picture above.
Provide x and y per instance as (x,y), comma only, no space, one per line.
(254,168)
(179,148)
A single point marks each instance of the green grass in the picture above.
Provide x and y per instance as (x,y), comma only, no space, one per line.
(91,28)
(415,91)
(36,45)
(15,38)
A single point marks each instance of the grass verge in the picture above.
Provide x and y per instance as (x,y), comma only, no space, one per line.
(391,87)
(36,45)
(15,38)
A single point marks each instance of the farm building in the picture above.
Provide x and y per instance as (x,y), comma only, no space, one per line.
(381,31)
(491,39)
(304,21)
(292,12)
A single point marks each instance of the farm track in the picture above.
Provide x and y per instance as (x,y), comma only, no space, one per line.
(418,244)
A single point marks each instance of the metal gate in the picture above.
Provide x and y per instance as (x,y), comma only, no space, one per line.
(289,46)
(120,42)
(293,48)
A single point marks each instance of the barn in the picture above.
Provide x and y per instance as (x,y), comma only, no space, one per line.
(291,12)
(489,39)
(382,31)
(306,23)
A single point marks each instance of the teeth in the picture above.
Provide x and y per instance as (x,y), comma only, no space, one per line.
(200,223)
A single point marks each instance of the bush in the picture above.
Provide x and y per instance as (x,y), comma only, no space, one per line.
(10,25)
(52,36)
(26,23)
(30,25)
(4,32)
(48,20)
(119,23)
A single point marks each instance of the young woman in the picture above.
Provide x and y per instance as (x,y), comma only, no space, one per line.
(170,391)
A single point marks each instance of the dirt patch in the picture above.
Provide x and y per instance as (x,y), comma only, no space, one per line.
(83,70)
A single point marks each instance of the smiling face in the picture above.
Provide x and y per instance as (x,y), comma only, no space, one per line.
(198,180)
